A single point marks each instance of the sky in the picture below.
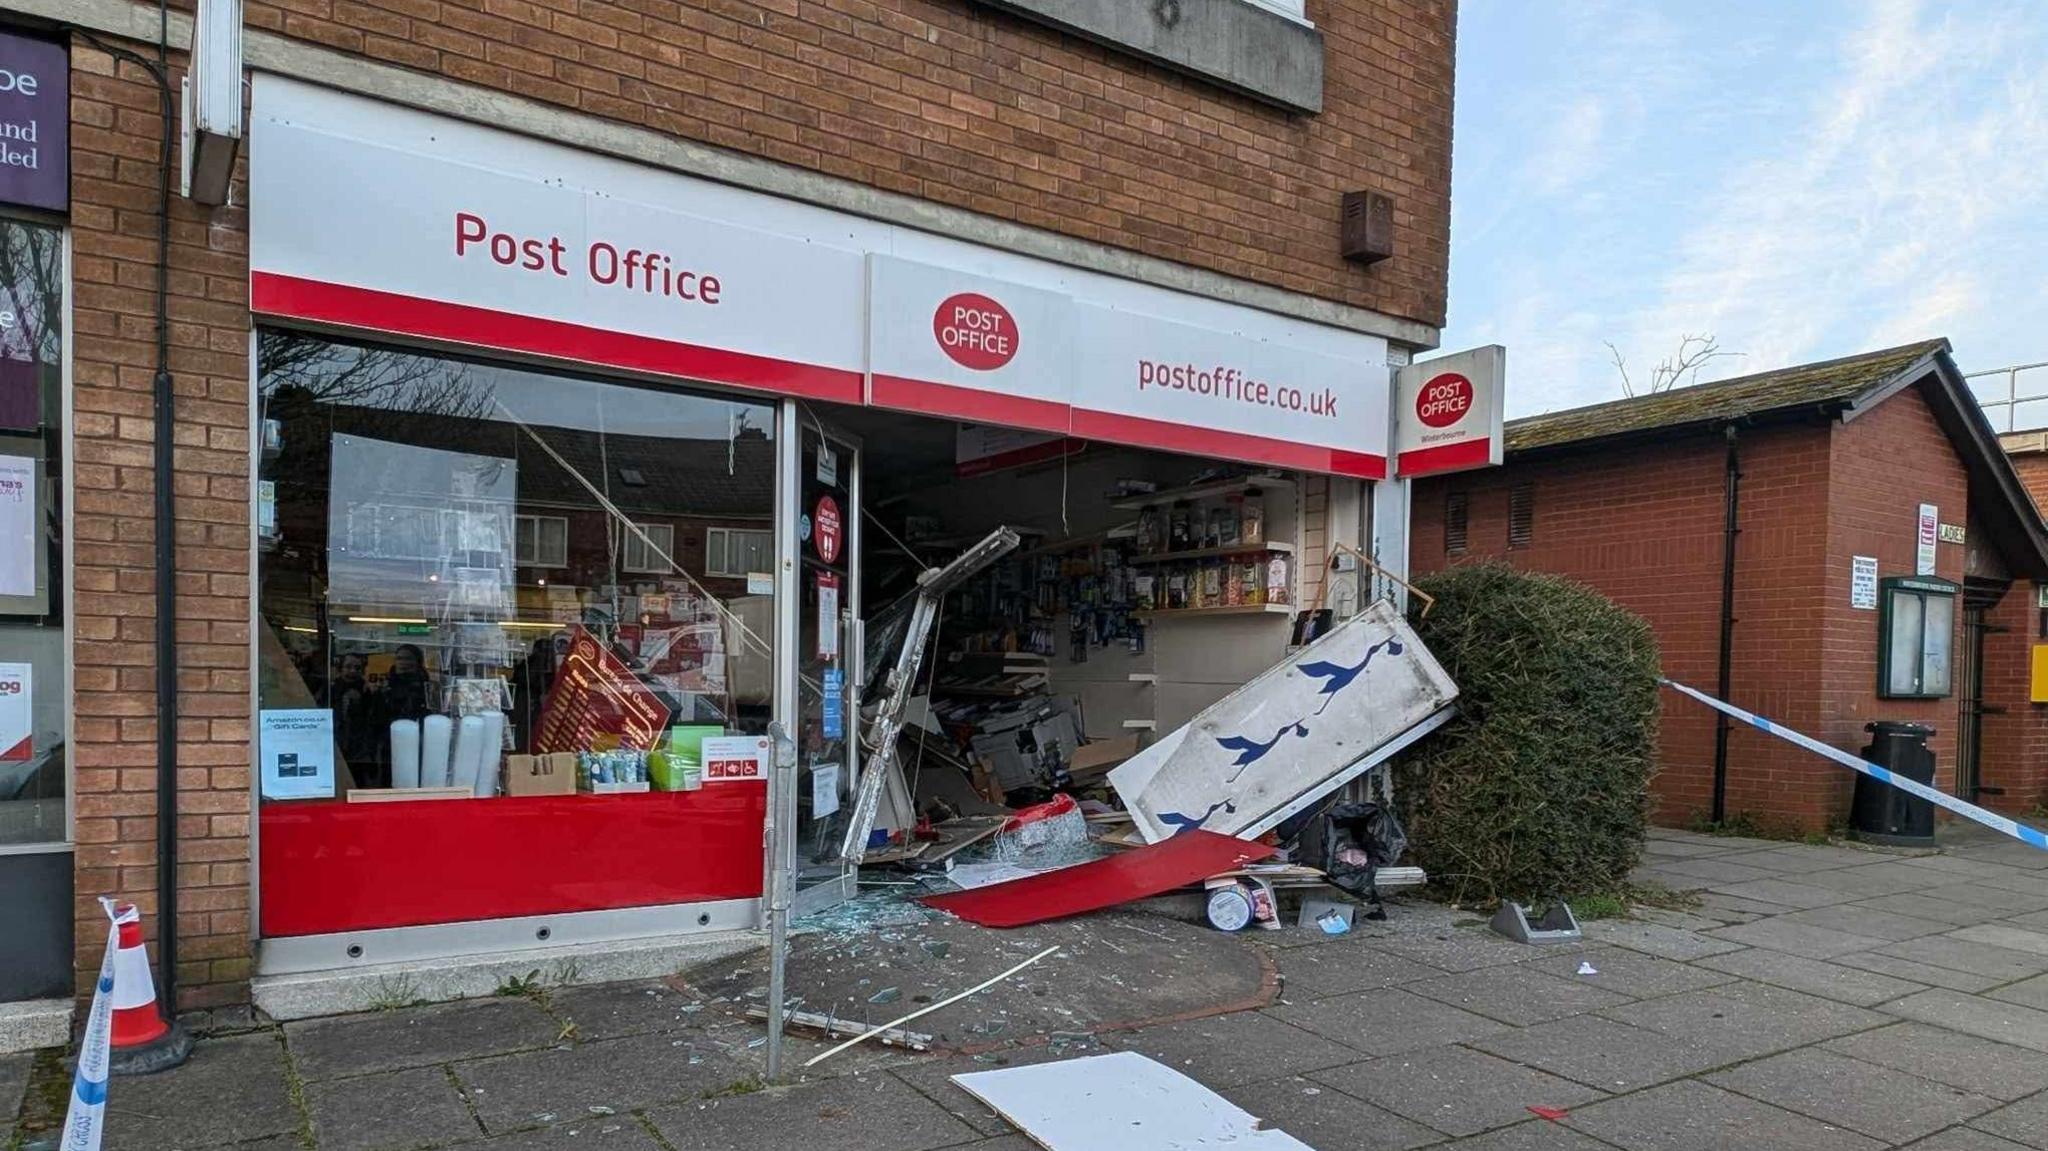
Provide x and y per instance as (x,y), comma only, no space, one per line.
(1798,180)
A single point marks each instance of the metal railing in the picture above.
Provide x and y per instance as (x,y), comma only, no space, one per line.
(2021,405)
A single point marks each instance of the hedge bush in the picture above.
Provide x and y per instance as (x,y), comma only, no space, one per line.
(1539,786)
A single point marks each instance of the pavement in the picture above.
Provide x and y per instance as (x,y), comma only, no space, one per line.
(1814,997)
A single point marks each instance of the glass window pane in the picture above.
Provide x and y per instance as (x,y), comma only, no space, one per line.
(714,552)
(1904,655)
(33,680)
(1936,643)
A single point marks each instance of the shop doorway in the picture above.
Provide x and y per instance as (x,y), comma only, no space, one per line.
(827,527)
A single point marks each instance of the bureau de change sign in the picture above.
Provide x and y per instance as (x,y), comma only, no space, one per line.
(35,109)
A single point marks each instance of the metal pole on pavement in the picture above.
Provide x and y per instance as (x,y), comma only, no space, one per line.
(781,832)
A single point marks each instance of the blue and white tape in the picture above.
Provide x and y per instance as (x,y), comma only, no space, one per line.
(1991,819)
(85,1119)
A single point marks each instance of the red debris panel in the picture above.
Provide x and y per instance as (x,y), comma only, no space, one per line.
(1140,873)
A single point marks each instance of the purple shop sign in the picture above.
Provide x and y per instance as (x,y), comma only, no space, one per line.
(35,117)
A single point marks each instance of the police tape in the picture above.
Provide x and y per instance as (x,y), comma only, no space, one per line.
(1991,819)
(86,1116)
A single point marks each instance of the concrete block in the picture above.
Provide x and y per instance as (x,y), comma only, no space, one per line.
(232,1090)
(1989,960)
(1782,891)
(1872,879)
(1518,994)
(2004,935)
(1657,939)
(306,995)
(1232,1050)
(1880,1102)
(2025,1122)
(1867,921)
(417,1037)
(34,1023)
(1915,972)
(568,1082)
(1631,973)
(1320,972)
(1602,1053)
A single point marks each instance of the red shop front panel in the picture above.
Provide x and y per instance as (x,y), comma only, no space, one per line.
(334,866)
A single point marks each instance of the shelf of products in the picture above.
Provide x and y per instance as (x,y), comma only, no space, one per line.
(1212,553)
(1226,609)
(1202,491)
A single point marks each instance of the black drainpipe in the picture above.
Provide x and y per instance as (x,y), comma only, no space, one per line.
(1729,530)
(163,410)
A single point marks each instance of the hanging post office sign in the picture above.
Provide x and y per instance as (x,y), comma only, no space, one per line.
(1447,413)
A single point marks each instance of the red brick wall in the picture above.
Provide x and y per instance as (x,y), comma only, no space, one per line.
(1886,463)
(114,221)
(2033,472)
(2014,755)
(974,108)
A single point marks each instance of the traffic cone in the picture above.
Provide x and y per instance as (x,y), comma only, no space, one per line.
(141,1039)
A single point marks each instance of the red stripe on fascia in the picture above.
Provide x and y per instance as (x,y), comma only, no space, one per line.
(1141,432)
(1446,458)
(972,404)
(275,294)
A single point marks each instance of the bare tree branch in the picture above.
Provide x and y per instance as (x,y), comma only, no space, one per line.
(1679,370)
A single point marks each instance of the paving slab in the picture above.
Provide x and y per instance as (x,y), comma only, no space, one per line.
(1458,948)
(1812,976)
(14,1071)
(1656,939)
(1974,1015)
(604,1132)
(1726,842)
(1748,1018)
(1891,877)
(1782,891)
(1877,1101)
(1668,880)
(2026,881)
(2004,935)
(1871,922)
(417,1036)
(1387,1022)
(1455,1090)
(1232,1050)
(2033,898)
(1920,905)
(1604,1054)
(2027,993)
(1672,917)
(1694,1116)
(1320,972)
(933,1079)
(1655,849)
(1631,973)
(1916,972)
(1326,1117)
(851,1113)
(559,1084)
(1533,1135)
(1734,908)
(1959,865)
(232,1090)
(1781,934)
(2025,1122)
(613,1010)
(1807,858)
(1989,960)
(1715,870)
(1964,1139)
(1961,1061)
(2004,851)
(389,1111)
(1517,994)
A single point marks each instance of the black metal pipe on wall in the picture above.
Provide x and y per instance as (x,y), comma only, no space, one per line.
(1732,485)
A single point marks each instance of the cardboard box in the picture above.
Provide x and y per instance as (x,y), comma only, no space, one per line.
(541,774)
(1094,759)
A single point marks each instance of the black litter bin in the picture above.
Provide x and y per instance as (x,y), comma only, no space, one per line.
(1885,814)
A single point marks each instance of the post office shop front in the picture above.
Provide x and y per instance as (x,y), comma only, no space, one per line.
(564,498)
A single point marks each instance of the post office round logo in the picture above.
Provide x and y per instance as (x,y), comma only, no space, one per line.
(975,331)
(1444,400)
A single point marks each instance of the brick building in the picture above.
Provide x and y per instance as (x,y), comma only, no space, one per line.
(1126,162)
(1779,489)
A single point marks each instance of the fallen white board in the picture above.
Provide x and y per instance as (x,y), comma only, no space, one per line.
(1298,731)
(1120,1102)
